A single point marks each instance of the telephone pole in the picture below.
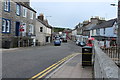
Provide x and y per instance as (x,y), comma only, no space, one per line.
(118,31)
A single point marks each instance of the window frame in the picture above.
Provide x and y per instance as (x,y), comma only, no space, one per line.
(7,9)
(6,24)
(41,30)
(3,31)
(31,15)
(18,12)
(25,29)
(31,28)
(24,11)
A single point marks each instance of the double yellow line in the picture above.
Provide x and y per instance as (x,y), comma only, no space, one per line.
(52,67)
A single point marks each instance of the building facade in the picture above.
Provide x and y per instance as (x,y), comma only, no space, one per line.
(106,33)
(43,31)
(18,23)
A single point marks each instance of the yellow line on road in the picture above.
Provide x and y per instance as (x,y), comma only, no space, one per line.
(50,70)
(47,70)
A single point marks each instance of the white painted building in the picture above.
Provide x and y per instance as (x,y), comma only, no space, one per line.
(43,31)
(74,33)
(105,31)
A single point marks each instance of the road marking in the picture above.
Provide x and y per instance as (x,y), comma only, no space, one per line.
(48,68)
(52,67)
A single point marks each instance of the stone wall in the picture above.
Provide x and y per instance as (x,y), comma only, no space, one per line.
(14,18)
(104,67)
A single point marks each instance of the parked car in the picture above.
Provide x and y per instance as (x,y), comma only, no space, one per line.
(82,44)
(77,42)
(64,40)
(57,42)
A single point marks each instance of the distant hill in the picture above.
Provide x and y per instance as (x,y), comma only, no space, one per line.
(56,29)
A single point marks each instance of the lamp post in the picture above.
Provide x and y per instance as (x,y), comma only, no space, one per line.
(118,32)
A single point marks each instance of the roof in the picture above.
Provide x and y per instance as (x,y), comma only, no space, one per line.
(26,5)
(90,27)
(44,23)
(105,24)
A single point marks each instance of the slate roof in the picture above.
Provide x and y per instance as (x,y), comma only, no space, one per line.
(105,24)
(89,26)
(26,5)
(44,23)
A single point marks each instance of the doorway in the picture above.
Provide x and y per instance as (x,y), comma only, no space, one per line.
(17,29)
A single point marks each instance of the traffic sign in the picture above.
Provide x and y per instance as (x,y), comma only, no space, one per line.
(21,30)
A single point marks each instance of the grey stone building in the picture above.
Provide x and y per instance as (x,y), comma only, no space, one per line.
(18,23)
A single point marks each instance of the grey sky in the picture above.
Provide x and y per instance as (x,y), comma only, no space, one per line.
(68,14)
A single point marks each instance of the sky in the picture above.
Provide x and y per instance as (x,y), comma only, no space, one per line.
(68,13)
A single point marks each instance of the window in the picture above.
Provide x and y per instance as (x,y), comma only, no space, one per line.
(98,31)
(31,29)
(41,29)
(7,5)
(24,27)
(104,31)
(24,12)
(6,26)
(31,15)
(18,9)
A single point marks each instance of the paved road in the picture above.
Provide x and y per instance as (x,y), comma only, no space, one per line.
(26,62)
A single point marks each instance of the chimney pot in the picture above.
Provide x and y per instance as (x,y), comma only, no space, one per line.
(41,17)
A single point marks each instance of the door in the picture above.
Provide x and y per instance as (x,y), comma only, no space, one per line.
(17,29)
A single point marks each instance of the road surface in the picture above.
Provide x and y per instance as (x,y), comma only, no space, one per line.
(27,62)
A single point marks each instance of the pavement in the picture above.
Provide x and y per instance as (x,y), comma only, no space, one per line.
(73,69)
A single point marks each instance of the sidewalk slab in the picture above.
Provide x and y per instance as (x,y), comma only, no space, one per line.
(73,69)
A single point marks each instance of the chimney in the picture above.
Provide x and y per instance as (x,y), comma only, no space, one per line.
(41,17)
(94,20)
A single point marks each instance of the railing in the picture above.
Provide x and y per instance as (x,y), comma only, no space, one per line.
(112,52)
(104,66)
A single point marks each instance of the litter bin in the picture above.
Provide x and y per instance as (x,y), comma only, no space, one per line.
(6,44)
(86,56)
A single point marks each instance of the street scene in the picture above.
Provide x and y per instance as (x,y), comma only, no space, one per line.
(47,40)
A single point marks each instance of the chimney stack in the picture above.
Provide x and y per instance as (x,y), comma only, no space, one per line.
(41,17)
(94,20)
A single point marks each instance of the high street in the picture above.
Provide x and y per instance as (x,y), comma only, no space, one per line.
(27,62)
